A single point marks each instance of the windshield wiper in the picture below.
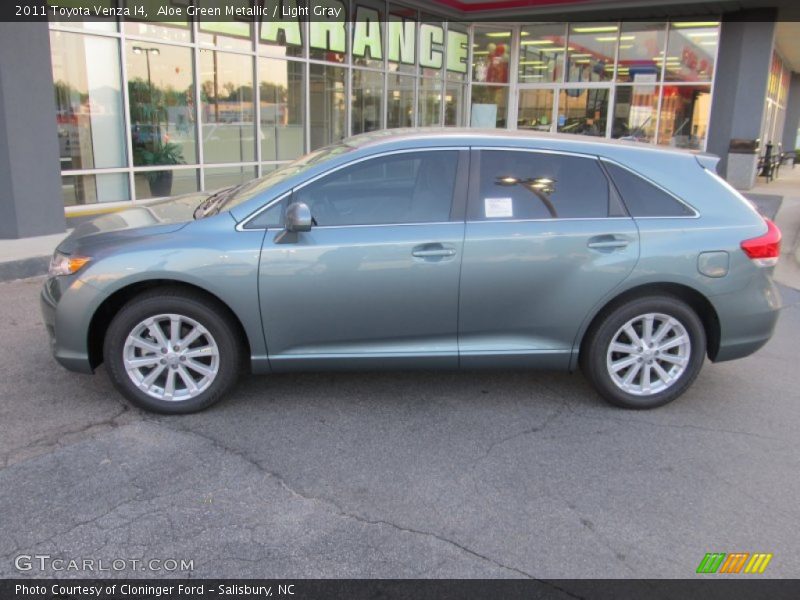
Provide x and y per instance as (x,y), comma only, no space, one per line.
(214,202)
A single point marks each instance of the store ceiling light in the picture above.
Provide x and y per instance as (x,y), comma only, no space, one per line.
(709,43)
(607,38)
(498,34)
(697,34)
(582,55)
(537,42)
(688,24)
(601,29)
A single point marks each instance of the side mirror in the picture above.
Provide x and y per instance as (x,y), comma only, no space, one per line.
(298,220)
(298,217)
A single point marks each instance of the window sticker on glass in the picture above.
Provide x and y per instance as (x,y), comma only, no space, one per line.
(498,208)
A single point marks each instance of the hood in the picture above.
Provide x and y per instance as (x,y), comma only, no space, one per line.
(160,216)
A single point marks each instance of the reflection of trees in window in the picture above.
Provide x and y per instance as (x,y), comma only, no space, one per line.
(540,187)
(150,107)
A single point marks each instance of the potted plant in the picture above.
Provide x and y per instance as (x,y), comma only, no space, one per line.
(163,153)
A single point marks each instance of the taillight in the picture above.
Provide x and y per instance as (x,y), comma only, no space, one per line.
(765,249)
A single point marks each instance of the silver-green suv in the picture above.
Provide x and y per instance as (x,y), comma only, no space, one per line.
(425,249)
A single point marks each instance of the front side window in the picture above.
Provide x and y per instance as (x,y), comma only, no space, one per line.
(539,185)
(412,187)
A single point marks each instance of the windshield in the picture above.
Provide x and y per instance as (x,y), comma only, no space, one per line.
(253,188)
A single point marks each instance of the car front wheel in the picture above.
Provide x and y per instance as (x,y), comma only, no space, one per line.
(645,353)
(172,351)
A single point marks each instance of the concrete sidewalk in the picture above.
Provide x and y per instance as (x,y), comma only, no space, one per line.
(778,200)
(27,257)
(787,219)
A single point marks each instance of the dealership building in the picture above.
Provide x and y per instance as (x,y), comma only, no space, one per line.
(101,114)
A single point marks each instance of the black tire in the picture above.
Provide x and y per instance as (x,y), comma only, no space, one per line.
(594,351)
(186,303)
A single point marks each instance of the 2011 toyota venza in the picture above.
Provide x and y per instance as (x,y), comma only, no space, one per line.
(425,249)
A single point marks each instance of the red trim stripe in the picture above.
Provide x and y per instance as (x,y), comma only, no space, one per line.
(469,7)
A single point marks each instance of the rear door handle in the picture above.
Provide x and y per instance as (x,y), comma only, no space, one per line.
(432,251)
(607,242)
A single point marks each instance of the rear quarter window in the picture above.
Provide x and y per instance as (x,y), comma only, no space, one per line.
(642,198)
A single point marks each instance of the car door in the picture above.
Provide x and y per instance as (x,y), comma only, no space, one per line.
(546,239)
(375,281)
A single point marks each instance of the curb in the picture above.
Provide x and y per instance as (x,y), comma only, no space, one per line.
(23,268)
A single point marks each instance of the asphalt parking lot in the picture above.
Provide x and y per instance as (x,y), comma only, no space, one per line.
(474,474)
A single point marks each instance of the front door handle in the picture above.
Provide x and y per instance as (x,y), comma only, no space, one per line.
(432,251)
(608,242)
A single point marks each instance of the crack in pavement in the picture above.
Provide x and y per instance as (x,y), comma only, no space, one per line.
(341,512)
(535,429)
(54,439)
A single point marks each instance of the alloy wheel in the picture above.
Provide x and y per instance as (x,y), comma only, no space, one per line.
(171,357)
(648,354)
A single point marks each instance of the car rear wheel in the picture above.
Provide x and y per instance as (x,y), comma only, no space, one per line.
(172,351)
(645,353)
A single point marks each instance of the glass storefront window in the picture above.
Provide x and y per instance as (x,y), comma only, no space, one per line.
(226,35)
(684,116)
(167,31)
(400,101)
(367,102)
(455,103)
(327,104)
(92,189)
(281,87)
(157,184)
(368,28)
(221,177)
(691,51)
(161,96)
(641,46)
(226,95)
(430,102)
(535,110)
(457,42)
(88,94)
(591,51)
(401,29)
(490,55)
(97,23)
(267,168)
(541,53)
(431,46)
(328,38)
(489,106)
(583,111)
(282,36)
(407,67)
(635,113)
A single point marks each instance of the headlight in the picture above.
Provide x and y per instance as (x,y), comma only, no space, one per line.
(61,264)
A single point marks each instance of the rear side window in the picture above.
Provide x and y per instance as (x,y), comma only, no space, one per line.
(642,198)
(539,185)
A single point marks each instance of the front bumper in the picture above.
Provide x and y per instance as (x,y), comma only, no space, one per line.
(67,307)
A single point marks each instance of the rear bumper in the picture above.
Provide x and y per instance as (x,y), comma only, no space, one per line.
(747,318)
(66,311)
